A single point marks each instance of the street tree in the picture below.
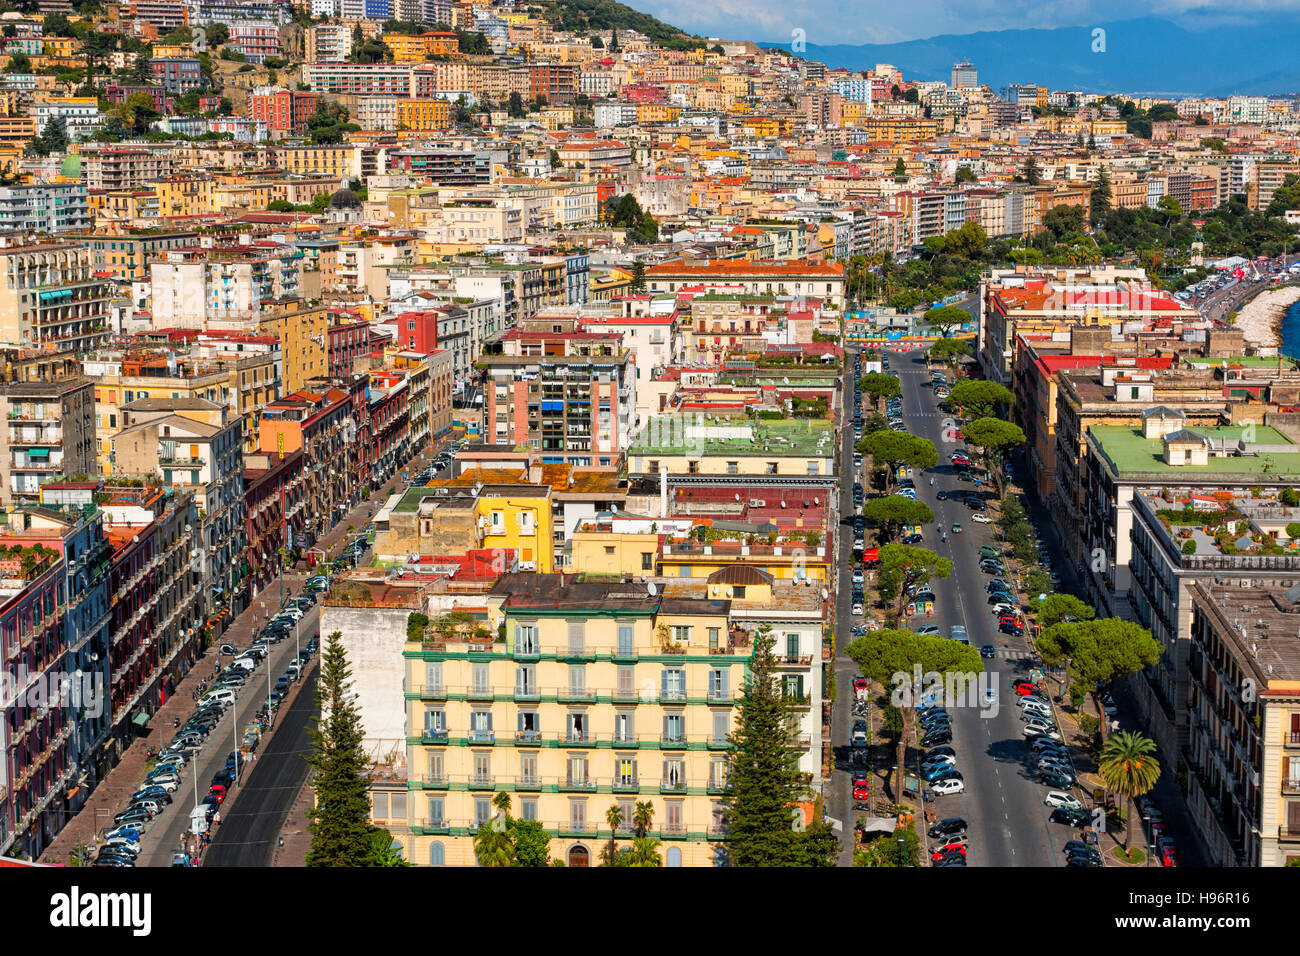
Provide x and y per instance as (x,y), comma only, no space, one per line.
(493,845)
(893,450)
(1063,607)
(384,850)
(532,843)
(890,657)
(340,820)
(950,351)
(890,514)
(979,396)
(766,783)
(945,318)
(993,436)
(880,387)
(901,848)
(1097,652)
(1130,768)
(903,566)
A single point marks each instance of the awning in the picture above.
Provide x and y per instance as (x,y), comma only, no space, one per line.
(140,719)
(38,453)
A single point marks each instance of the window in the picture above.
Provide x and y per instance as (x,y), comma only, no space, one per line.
(526,639)
(673,683)
(578,814)
(623,724)
(609,550)
(528,808)
(625,770)
(435,767)
(652,467)
(792,646)
(379,810)
(482,767)
(482,811)
(435,721)
(692,467)
(529,725)
(681,634)
(436,817)
(812,467)
(577,637)
(528,769)
(526,680)
(480,725)
(626,640)
(793,685)
(576,770)
(733,467)
(718,683)
(433,677)
(674,773)
(437,856)
(577,727)
(674,728)
(718,773)
(577,680)
(672,816)
(721,726)
(771,468)
(480,678)
(647,561)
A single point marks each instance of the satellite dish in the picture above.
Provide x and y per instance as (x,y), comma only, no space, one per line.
(652,589)
(783,504)
(825,594)
(737,497)
(613,509)
(817,501)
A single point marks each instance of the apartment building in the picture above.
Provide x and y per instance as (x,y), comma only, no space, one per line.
(572,680)
(191,288)
(284,111)
(44,207)
(197,446)
(824,281)
(49,432)
(52,295)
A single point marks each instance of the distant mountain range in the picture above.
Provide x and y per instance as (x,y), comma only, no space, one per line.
(1248,55)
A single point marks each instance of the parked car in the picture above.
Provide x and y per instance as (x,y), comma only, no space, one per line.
(1059,798)
(947,827)
(948,786)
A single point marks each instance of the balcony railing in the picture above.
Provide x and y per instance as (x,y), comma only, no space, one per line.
(1287,834)
(672,741)
(528,737)
(794,660)
(673,786)
(625,785)
(431,691)
(480,736)
(481,782)
(431,734)
(434,780)
(578,783)
(1291,739)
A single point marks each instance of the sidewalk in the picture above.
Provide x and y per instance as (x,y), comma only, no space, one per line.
(114,791)
(294,833)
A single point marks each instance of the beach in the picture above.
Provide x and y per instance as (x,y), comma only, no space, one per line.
(1261,317)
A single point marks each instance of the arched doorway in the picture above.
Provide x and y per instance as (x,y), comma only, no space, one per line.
(674,856)
(579,856)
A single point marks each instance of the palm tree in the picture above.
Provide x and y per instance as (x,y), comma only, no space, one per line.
(492,843)
(645,852)
(642,817)
(614,817)
(1129,767)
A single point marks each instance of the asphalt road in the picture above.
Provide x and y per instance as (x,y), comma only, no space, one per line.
(1002,803)
(247,837)
(167,830)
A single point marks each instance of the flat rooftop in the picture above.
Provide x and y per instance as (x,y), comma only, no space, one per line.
(1132,455)
(679,436)
(1267,635)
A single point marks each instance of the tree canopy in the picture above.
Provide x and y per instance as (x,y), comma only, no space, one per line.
(890,514)
(904,565)
(950,351)
(945,318)
(1058,607)
(895,449)
(979,396)
(993,436)
(1099,651)
(879,386)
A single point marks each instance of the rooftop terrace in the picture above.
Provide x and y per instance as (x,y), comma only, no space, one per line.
(1134,457)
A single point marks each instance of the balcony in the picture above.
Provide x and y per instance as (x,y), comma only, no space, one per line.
(431,736)
(672,741)
(673,786)
(626,785)
(529,692)
(799,701)
(529,782)
(427,827)
(1291,739)
(718,743)
(431,691)
(527,652)
(577,695)
(794,660)
(529,738)
(718,786)
(1291,786)
(572,739)
(721,697)
(479,693)
(481,737)
(1286,834)
(580,784)
(482,782)
(433,781)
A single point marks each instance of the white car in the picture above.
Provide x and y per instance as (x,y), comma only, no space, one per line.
(858,610)
(1040,714)
(948,786)
(1002,607)
(981,518)
(858,576)
(1058,798)
(168,781)
(1036,730)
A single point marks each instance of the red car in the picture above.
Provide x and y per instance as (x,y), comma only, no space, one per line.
(861,789)
(1168,856)
(947,848)
(218,791)
(859,683)
(1023,688)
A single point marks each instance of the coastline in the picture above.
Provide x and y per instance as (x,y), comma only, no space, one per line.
(1261,318)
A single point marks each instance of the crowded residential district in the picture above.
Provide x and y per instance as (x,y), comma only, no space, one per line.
(468,433)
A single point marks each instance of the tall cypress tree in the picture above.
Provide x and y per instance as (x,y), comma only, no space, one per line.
(340,821)
(766,784)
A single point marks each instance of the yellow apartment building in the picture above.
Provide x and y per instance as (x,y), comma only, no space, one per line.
(601,694)
(184,196)
(420,114)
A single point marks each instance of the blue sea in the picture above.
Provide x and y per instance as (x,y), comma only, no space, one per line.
(1291,331)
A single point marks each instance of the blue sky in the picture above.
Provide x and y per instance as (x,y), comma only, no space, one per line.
(871,21)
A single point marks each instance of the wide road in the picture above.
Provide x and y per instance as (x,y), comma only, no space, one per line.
(248,836)
(1003,802)
(167,830)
